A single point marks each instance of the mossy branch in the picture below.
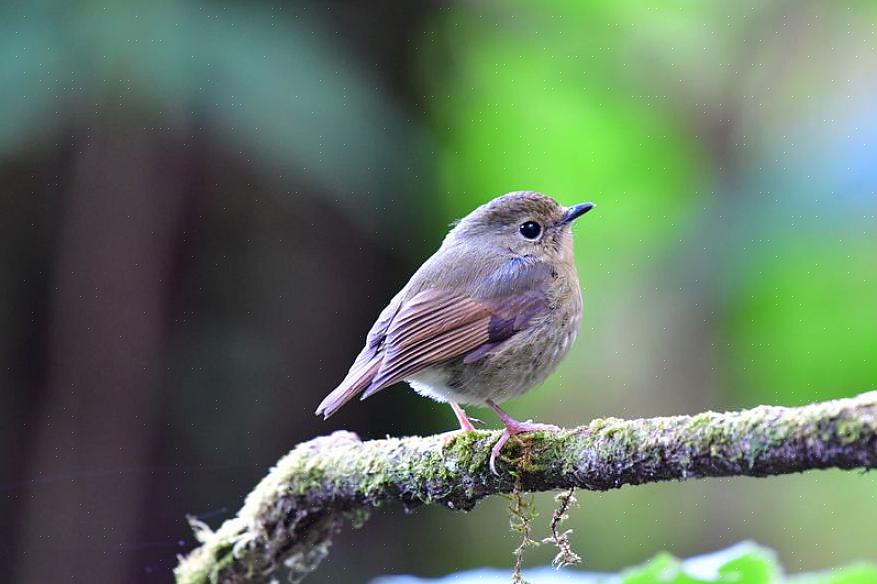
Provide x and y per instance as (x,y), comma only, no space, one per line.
(287,521)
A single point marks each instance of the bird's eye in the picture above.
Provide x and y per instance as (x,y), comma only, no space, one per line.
(530,229)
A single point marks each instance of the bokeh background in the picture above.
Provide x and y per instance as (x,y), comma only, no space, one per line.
(204,205)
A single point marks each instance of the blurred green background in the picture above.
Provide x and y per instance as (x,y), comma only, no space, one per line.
(205,205)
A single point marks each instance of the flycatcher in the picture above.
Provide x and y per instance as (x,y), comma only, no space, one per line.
(485,319)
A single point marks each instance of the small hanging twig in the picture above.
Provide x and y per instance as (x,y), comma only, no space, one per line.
(522,512)
(565,555)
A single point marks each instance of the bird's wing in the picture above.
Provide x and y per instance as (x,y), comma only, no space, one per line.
(367,363)
(439,325)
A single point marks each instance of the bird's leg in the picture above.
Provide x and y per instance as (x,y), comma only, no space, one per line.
(465,424)
(512,427)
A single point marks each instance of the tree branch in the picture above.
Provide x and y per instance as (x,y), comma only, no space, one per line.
(288,520)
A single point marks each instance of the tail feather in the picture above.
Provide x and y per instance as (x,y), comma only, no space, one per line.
(358,378)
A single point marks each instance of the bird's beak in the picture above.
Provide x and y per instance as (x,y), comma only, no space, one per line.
(576,211)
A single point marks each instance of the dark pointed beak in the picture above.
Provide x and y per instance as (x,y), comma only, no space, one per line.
(577,211)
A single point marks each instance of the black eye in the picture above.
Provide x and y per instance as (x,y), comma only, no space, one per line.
(530,229)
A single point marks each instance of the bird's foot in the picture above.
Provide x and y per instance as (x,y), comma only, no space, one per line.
(513,427)
(465,421)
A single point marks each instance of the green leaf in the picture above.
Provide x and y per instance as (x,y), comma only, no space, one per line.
(856,574)
(744,563)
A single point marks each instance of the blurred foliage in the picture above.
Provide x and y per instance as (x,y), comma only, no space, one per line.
(744,563)
(596,100)
(306,156)
(275,89)
(806,323)
(731,259)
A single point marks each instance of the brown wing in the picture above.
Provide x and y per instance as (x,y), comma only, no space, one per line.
(433,327)
(366,365)
(437,325)
(357,379)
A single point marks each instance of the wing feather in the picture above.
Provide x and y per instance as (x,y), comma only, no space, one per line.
(430,313)
(366,365)
(437,325)
(434,327)
(441,348)
(358,378)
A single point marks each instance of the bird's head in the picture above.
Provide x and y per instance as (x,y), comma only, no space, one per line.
(524,223)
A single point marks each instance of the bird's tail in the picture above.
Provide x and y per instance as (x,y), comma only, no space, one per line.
(358,378)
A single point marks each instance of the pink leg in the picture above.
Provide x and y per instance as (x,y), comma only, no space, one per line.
(512,427)
(465,424)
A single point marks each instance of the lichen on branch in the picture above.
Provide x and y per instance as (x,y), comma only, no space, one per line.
(288,520)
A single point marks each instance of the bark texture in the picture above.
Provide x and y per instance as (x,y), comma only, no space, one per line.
(286,524)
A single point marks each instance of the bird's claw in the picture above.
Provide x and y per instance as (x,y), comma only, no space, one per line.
(512,428)
(494,452)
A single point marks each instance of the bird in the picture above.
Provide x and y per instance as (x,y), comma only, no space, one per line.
(485,319)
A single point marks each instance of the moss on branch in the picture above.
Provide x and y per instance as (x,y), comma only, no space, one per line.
(287,521)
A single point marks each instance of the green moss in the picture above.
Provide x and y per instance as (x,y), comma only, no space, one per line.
(701,422)
(303,480)
(358,517)
(851,431)
(224,556)
(557,449)
(206,565)
(598,424)
(467,451)
(617,439)
(192,571)
(522,451)
(417,467)
(614,433)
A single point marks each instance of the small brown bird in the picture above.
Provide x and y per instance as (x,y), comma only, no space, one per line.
(485,319)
